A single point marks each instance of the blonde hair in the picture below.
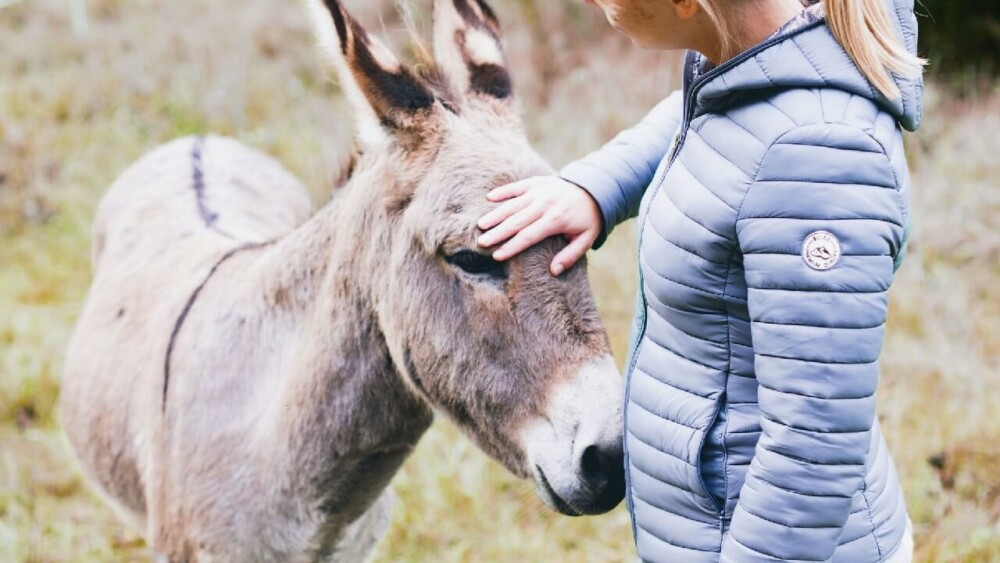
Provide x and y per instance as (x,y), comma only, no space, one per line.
(863,29)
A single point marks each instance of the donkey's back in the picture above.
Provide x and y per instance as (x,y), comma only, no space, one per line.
(197,186)
(159,231)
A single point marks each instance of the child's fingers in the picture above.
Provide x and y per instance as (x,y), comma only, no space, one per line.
(570,255)
(527,237)
(502,212)
(508,191)
(511,226)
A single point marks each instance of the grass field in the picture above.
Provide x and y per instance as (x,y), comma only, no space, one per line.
(75,111)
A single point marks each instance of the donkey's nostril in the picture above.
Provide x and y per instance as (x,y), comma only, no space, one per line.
(592,468)
(601,470)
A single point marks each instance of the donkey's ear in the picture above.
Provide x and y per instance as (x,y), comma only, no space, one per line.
(386,96)
(467,48)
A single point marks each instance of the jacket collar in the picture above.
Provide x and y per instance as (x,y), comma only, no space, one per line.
(805,55)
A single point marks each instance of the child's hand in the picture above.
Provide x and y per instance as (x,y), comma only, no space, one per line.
(536,209)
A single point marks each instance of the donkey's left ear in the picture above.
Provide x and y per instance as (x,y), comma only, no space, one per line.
(467,46)
(386,96)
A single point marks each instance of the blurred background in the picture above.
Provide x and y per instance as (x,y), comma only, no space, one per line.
(88,87)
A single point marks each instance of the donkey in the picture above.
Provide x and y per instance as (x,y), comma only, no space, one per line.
(245,379)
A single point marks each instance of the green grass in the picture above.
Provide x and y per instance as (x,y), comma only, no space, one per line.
(75,112)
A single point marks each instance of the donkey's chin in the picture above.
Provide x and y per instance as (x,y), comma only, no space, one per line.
(575,450)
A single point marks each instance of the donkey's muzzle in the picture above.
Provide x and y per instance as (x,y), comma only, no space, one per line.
(576,449)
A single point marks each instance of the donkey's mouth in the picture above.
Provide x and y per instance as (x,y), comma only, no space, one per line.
(550,494)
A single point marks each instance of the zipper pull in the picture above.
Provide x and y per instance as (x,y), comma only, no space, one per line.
(673,147)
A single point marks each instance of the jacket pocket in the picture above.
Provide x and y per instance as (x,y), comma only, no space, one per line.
(711,461)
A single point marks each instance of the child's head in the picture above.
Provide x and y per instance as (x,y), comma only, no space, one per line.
(717,28)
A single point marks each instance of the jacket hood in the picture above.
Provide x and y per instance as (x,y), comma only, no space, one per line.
(808,56)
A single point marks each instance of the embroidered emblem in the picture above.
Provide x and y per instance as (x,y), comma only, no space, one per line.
(821,250)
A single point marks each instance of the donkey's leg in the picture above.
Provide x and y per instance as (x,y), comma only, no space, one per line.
(362,535)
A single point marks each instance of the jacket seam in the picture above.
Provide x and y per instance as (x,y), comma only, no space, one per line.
(684,250)
(675,309)
(892,222)
(713,343)
(674,544)
(824,327)
(825,182)
(629,165)
(795,124)
(762,142)
(803,493)
(692,219)
(809,60)
(797,254)
(807,431)
(672,386)
(814,461)
(814,431)
(778,180)
(681,356)
(871,518)
(818,361)
(665,278)
(763,159)
(658,450)
(724,158)
(763,69)
(810,145)
(799,290)
(805,396)
(684,489)
(670,420)
(765,552)
(789,526)
(818,292)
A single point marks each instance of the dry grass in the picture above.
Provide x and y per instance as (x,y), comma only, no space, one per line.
(74,112)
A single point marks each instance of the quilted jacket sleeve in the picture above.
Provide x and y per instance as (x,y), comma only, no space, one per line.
(617,175)
(817,335)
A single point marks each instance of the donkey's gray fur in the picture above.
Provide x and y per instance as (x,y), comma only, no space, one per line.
(245,379)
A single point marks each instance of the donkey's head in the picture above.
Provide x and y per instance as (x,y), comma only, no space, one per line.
(516,357)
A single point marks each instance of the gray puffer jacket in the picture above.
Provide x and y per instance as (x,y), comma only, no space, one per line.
(774,220)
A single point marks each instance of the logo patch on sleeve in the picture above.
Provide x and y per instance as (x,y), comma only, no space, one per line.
(821,250)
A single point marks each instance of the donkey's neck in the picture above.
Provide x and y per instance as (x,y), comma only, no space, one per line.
(342,414)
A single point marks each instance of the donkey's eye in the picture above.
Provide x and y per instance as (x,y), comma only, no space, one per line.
(478,264)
